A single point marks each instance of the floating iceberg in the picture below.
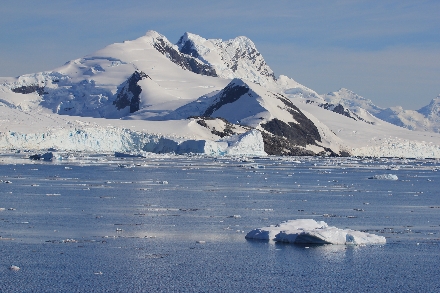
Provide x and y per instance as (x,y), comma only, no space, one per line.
(308,231)
(385,177)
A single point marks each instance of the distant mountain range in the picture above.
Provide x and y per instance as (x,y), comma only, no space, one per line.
(213,91)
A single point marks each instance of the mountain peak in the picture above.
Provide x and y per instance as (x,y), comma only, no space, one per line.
(153,33)
(234,58)
(432,109)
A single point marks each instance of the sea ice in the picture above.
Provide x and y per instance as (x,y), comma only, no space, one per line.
(385,177)
(309,231)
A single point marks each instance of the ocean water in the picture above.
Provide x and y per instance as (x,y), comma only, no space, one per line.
(178,224)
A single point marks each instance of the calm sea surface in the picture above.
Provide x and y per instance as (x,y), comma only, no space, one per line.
(177,224)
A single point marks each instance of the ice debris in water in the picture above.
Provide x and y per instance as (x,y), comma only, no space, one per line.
(14,268)
(309,231)
(385,177)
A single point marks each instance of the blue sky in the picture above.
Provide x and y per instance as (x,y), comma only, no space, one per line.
(386,51)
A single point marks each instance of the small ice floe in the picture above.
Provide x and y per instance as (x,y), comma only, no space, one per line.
(309,231)
(385,177)
(235,216)
(14,268)
(69,241)
(6,238)
(128,166)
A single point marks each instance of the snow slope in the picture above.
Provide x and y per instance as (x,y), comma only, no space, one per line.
(379,139)
(88,86)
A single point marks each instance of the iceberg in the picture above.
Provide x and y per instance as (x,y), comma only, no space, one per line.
(309,231)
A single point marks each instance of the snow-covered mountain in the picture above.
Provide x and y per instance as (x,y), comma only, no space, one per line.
(236,58)
(424,119)
(204,96)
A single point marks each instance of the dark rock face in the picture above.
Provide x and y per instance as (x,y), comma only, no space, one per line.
(29,89)
(229,94)
(185,61)
(305,125)
(339,109)
(294,133)
(129,93)
(281,138)
(280,146)
(188,48)
(227,131)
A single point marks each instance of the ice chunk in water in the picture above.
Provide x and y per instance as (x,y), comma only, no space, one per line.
(309,231)
(385,177)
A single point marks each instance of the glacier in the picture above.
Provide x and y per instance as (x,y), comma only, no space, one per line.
(108,140)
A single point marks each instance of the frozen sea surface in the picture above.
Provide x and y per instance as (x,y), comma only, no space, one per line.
(177,224)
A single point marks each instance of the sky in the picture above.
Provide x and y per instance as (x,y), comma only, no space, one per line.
(385,51)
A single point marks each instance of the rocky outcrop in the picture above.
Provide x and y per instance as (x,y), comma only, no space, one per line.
(340,109)
(185,61)
(227,128)
(27,89)
(291,139)
(187,47)
(230,94)
(129,93)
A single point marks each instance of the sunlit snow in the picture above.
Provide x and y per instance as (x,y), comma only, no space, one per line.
(308,231)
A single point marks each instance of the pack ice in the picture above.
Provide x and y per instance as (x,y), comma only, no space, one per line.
(309,231)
